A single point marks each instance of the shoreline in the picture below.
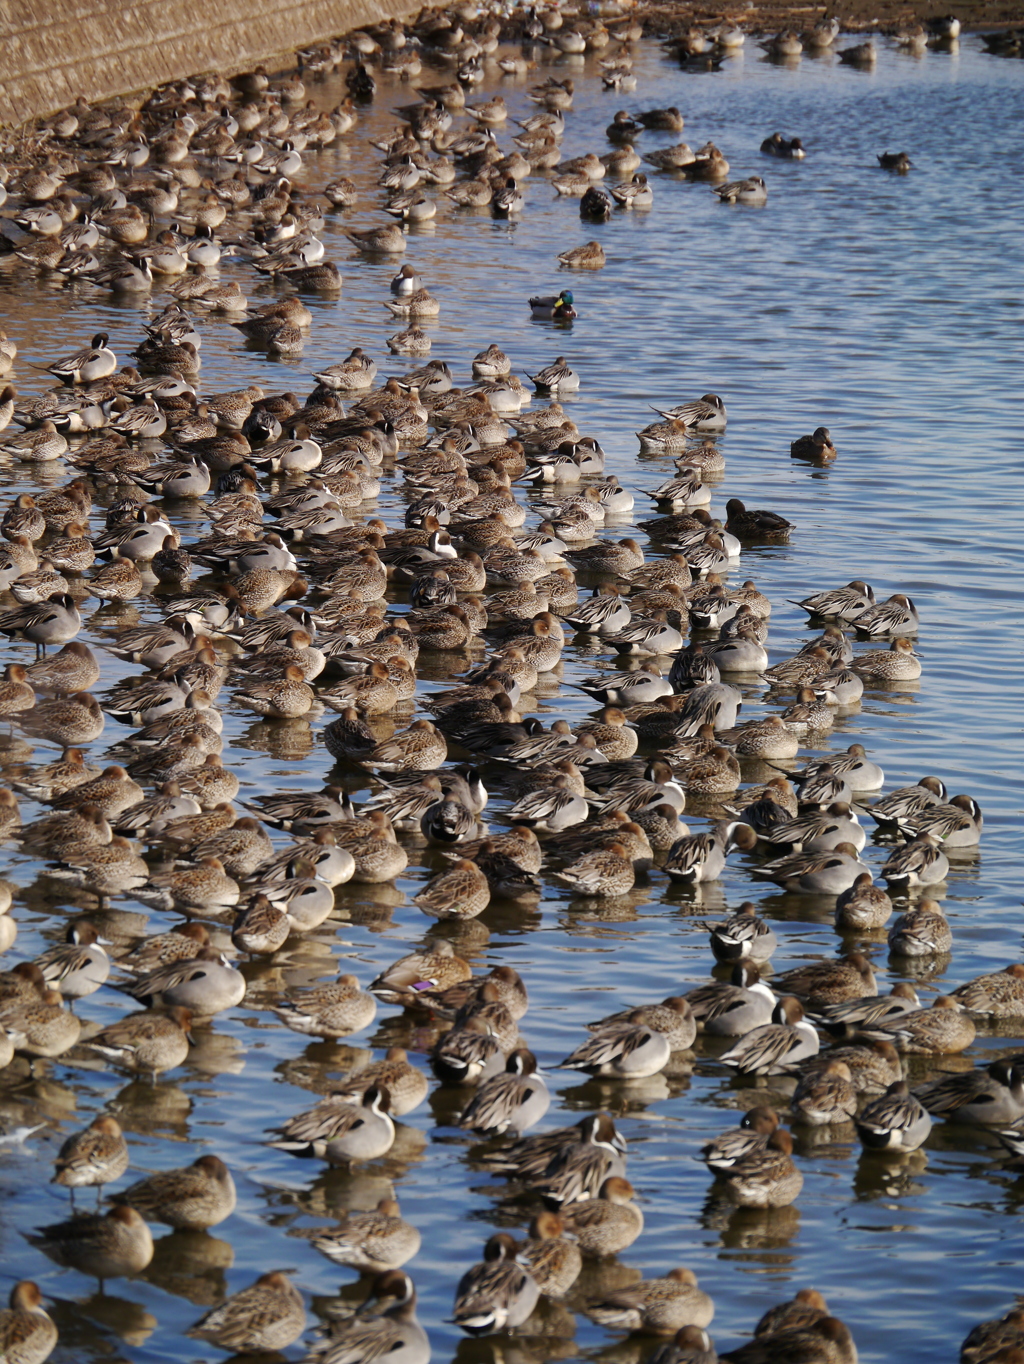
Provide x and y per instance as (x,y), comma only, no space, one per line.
(660,22)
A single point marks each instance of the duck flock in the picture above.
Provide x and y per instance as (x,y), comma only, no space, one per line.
(394,576)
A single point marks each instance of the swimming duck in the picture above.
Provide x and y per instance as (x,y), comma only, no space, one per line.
(825,1097)
(991,1094)
(659,1306)
(943,1030)
(372,1241)
(895,1122)
(827,873)
(777,1047)
(764,1179)
(736,1008)
(788,150)
(195,1198)
(698,858)
(624,1050)
(921,932)
(920,862)
(394,1331)
(107,1246)
(958,824)
(268,1316)
(750,1137)
(999,994)
(146,1043)
(27,1335)
(744,936)
(752,191)
(498,1293)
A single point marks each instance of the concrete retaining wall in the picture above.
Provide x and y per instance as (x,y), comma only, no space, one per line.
(53,51)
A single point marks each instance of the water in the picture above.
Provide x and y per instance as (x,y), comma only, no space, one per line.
(887,308)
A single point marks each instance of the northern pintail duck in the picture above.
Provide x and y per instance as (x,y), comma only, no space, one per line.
(764,1179)
(900,807)
(627,1049)
(372,1241)
(107,1246)
(744,936)
(93,1157)
(569,1165)
(943,1030)
(334,1010)
(990,1094)
(820,830)
(511,1102)
(958,824)
(659,1306)
(778,1046)
(39,1025)
(847,1017)
(921,932)
(735,1008)
(821,983)
(827,1340)
(205,984)
(608,1222)
(78,967)
(827,873)
(998,994)
(606,872)
(752,190)
(200,1196)
(269,1315)
(895,617)
(146,1043)
(393,1331)
(699,858)
(920,862)
(824,1097)
(895,1122)
(496,1294)
(751,1136)
(27,1335)
(672,1019)
(554,1263)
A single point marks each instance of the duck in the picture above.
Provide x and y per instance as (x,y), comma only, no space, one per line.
(554,1263)
(393,1330)
(827,873)
(80,966)
(96,1156)
(817,447)
(607,1223)
(752,190)
(896,617)
(844,1018)
(920,862)
(743,936)
(777,1047)
(958,824)
(699,858)
(195,1198)
(735,1008)
(459,894)
(269,1315)
(498,1293)
(895,1122)
(205,984)
(606,872)
(659,1306)
(27,1334)
(767,1178)
(629,1049)
(821,983)
(786,148)
(511,1102)
(825,1097)
(106,1245)
(372,1242)
(589,256)
(921,932)
(146,1043)
(998,994)
(943,1030)
(993,1094)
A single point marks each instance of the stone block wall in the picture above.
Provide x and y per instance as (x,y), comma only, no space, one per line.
(53,51)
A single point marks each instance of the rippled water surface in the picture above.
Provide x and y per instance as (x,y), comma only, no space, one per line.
(888,309)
